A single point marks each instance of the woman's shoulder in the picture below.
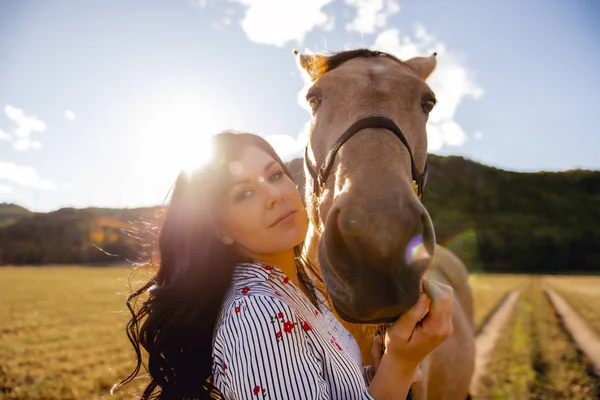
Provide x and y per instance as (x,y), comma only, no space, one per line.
(251,287)
(254,298)
(249,280)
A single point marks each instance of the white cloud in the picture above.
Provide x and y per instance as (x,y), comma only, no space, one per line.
(25,176)
(5,189)
(435,139)
(199,3)
(277,22)
(24,144)
(478,135)
(70,115)
(371,14)
(25,125)
(451,81)
(5,136)
(287,147)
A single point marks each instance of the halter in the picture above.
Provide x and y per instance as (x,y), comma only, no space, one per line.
(319,179)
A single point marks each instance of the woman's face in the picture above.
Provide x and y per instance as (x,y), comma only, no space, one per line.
(263,212)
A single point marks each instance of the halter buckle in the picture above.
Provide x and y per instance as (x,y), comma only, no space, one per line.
(416,187)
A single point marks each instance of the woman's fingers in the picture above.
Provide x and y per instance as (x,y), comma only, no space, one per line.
(406,323)
(418,331)
(439,319)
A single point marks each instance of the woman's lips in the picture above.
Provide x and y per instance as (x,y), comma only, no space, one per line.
(284,218)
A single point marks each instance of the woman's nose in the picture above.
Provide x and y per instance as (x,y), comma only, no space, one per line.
(273,195)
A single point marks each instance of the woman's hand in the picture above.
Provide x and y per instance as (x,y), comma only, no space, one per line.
(412,337)
(409,340)
(376,356)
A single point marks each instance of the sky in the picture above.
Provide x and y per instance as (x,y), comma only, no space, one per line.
(102,103)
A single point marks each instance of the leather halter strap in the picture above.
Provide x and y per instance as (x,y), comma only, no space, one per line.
(320,178)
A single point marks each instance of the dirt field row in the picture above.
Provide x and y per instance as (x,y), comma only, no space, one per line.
(534,357)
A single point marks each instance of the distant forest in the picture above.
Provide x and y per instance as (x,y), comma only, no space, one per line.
(495,220)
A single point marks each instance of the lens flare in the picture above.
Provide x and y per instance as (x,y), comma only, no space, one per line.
(460,239)
(465,245)
(353,221)
(236,168)
(416,250)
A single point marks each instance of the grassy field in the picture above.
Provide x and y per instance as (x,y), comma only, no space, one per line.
(582,293)
(62,336)
(488,292)
(535,358)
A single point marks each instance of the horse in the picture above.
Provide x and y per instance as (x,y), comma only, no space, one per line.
(370,236)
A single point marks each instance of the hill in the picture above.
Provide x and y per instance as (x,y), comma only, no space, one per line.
(495,220)
(69,235)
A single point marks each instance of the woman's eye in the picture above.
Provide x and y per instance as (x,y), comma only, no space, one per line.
(428,105)
(275,176)
(243,195)
(314,103)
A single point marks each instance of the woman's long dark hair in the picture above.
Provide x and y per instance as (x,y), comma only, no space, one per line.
(175,324)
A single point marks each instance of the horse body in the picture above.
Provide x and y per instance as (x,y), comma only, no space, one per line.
(371,237)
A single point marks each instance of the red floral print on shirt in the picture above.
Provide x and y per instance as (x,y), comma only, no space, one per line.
(268,267)
(335,343)
(245,290)
(306,326)
(288,327)
(258,390)
(280,316)
(286,279)
(237,309)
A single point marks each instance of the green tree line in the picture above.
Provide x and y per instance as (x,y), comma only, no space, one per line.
(495,220)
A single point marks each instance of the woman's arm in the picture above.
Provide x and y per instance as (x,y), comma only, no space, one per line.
(410,339)
(260,353)
(392,380)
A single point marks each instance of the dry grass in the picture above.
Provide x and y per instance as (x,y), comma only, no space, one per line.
(62,333)
(535,358)
(583,295)
(488,291)
(62,336)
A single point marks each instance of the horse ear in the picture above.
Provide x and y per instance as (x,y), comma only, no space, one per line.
(423,66)
(310,63)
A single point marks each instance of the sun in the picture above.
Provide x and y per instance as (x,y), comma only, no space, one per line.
(177,135)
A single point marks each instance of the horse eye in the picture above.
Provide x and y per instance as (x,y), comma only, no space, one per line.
(428,105)
(314,103)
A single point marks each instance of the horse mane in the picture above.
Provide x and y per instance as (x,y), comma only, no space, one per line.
(318,66)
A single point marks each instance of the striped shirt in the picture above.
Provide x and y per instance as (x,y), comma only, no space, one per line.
(270,342)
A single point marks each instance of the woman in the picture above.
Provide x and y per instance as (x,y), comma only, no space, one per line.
(235,310)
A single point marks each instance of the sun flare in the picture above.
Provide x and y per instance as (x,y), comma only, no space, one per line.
(178,135)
